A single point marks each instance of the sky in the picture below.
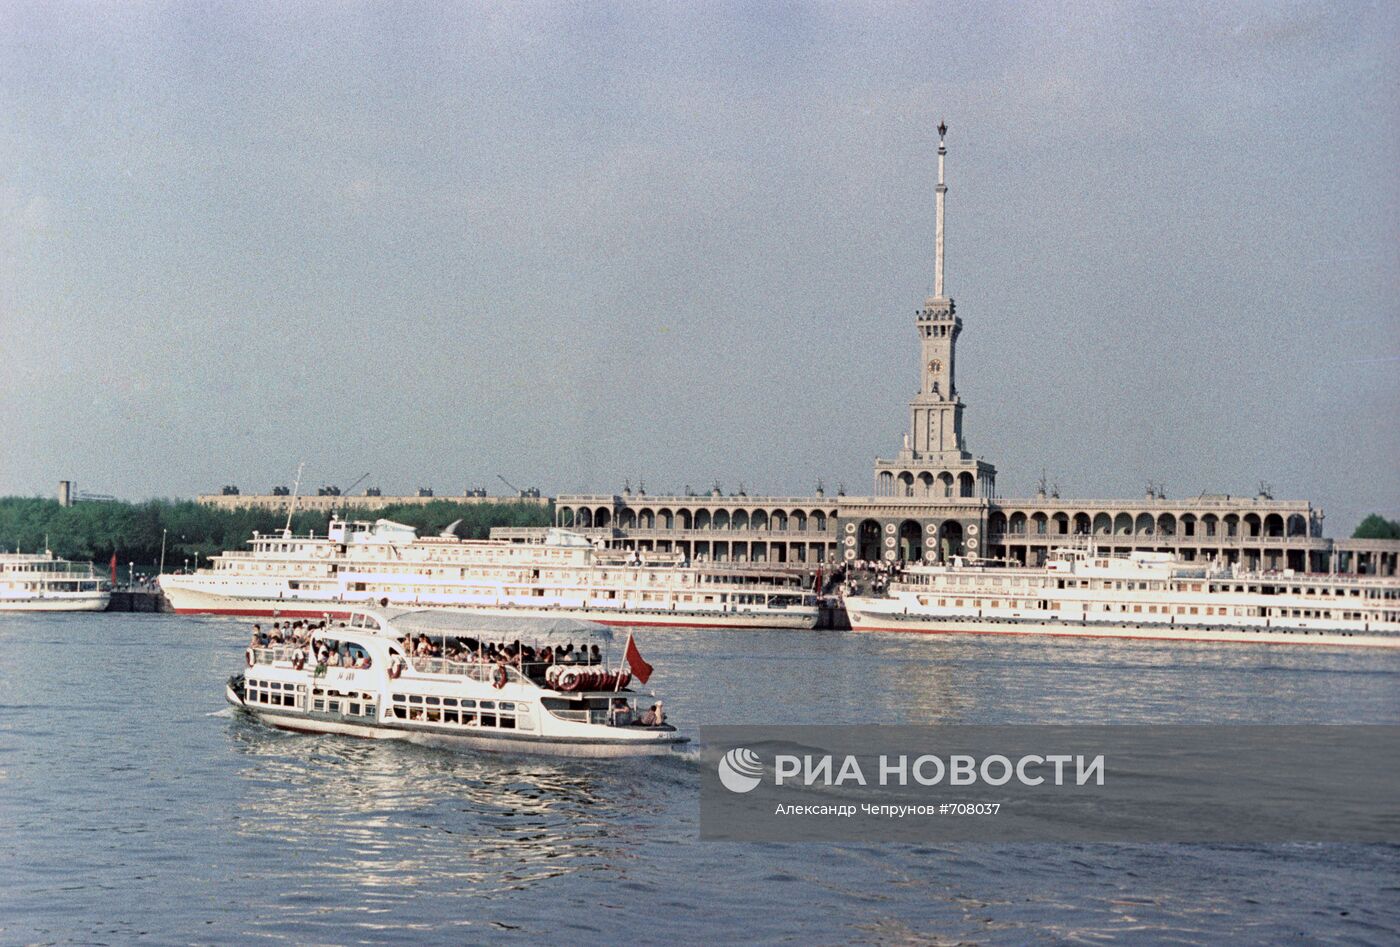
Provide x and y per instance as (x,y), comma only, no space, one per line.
(573,244)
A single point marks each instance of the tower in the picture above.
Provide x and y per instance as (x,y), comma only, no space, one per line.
(934,460)
(935,414)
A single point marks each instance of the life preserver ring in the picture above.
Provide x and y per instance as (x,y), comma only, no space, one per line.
(498,680)
(395,668)
(298,659)
(248,657)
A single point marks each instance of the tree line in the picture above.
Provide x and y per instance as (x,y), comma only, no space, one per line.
(95,530)
(1376,526)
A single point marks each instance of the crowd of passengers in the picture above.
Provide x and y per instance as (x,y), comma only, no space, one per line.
(298,634)
(514,653)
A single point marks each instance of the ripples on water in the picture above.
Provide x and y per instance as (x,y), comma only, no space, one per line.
(130,809)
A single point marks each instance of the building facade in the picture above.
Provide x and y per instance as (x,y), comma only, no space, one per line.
(933,499)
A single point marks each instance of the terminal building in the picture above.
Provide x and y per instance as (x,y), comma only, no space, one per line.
(932,500)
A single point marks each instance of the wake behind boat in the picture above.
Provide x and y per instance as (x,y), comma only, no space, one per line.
(1083,593)
(457,679)
(359,564)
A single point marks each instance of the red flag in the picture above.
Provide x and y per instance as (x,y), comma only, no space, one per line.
(633,657)
(817,582)
(114,568)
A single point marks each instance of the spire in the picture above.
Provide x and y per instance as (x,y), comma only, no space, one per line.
(938,216)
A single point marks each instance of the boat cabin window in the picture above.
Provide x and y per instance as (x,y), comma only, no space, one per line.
(273,693)
(460,712)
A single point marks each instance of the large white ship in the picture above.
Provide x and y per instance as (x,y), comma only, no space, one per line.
(42,582)
(1080,592)
(386,563)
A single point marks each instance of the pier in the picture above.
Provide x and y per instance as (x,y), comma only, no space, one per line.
(138,601)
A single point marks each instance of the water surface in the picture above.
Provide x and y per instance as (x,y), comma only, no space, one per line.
(133,807)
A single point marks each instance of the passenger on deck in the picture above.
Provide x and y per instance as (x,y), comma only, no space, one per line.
(257,637)
(654,717)
(597,656)
(620,713)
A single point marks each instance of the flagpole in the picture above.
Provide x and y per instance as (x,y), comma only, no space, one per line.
(617,684)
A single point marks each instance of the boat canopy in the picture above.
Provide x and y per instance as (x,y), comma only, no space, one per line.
(435,622)
(566,538)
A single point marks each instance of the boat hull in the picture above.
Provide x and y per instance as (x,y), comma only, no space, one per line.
(593,748)
(185,601)
(59,602)
(865,620)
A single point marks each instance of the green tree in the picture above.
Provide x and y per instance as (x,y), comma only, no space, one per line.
(95,530)
(1376,526)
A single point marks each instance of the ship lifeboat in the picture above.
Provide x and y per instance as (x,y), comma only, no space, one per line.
(563,677)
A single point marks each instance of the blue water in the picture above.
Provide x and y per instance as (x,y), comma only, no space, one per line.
(133,808)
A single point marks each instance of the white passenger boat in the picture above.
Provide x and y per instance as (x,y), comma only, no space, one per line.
(388,564)
(34,582)
(389,693)
(1080,592)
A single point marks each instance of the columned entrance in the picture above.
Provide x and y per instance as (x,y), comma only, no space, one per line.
(950,540)
(868,541)
(911,541)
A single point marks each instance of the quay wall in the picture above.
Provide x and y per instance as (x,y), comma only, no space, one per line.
(138,602)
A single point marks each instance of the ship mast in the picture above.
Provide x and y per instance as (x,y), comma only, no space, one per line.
(292,507)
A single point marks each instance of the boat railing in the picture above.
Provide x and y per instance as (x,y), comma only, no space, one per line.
(479,671)
(274,654)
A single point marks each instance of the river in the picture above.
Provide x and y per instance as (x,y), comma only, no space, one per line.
(135,807)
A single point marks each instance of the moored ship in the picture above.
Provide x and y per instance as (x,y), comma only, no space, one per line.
(430,677)
(1082,593)
(42,582)
(386,563)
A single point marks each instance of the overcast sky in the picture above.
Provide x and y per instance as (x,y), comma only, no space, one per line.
(572,244)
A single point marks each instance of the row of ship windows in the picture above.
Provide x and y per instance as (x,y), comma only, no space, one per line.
(464,712)
(53,586)
(1219,610)
(274,693)
(284,694)
(996,582)
(508,574)
(513,549)
(756,598)
(538,592)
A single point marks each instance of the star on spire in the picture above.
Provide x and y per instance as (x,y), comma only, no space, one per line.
(942,129)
